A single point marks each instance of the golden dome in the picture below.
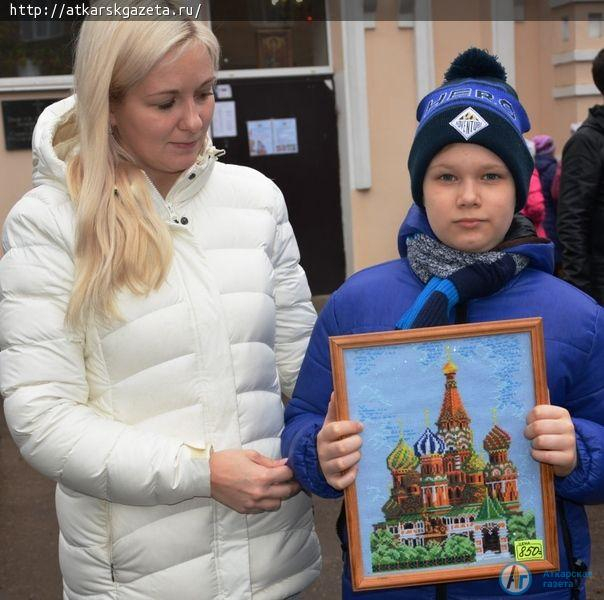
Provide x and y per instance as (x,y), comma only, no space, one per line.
(450,367)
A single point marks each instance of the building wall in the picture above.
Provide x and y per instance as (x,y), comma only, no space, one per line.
(572,69)
(371,216)
(15,165)
(453,37)
(377,212)
(535,46)
(534,76)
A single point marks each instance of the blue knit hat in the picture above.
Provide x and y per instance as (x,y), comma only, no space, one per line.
(474,105)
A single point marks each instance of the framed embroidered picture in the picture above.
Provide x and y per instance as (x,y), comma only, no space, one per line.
(446,489)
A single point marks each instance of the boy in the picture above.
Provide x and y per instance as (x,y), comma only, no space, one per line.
(467,257)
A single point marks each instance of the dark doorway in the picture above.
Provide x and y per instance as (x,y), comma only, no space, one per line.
(490,539)
(309,178)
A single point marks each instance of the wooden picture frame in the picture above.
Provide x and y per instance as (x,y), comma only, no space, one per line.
(424,485)
(274,48)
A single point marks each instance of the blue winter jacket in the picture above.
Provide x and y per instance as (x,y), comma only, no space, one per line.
(375,298)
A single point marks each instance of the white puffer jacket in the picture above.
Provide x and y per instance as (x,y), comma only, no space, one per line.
(123,416)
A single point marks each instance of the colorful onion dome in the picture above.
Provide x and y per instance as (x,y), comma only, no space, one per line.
(474,463)
(429,443)
(497,439)
(402,457)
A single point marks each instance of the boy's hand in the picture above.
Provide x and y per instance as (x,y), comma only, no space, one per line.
(552,434)
(338,445)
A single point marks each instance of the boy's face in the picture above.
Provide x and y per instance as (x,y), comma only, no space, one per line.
(469,195)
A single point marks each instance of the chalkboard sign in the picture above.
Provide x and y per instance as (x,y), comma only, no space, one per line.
(20,118)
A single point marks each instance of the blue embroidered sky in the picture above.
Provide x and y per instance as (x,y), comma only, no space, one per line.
(399,389)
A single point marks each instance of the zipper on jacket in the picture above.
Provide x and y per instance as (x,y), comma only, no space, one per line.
(112,573)
(213,154)
(172,211)
(167,203)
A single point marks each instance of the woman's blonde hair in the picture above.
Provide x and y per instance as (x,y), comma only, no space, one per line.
(121,240)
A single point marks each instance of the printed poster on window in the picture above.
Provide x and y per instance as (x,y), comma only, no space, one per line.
(224,123)
(285,135)
(272,136)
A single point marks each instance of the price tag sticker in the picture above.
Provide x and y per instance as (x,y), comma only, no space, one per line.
(528,550)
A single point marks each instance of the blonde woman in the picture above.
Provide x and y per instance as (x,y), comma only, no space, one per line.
(152,312)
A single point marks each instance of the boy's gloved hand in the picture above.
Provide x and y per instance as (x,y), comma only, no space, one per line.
(338,445)
(552,434)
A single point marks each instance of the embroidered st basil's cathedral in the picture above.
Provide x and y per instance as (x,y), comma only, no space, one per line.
(442,487)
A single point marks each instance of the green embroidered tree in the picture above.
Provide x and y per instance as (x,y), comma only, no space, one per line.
(380,538)
(407,553)
(521,527)
(460,547)
(435,551)
(422,554)
(384,549)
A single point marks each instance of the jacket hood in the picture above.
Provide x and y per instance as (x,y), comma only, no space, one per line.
(50,169)
(47,166)
(541,255)
(595,120)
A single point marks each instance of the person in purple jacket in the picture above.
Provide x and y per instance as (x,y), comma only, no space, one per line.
(467,256)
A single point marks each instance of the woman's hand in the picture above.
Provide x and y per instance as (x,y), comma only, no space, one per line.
(338,445)
(552,434)
(249,482)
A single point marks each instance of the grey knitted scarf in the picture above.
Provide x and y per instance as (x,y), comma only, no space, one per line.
(430,258)
(452,277)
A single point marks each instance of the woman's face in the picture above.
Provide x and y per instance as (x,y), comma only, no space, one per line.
(163,120)
(469,196)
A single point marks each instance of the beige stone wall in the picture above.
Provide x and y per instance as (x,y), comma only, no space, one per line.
(453,37)
(534,73)
(377,213)
(15,165)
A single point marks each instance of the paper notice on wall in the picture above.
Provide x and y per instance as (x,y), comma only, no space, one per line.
(224,123)
(260,137)
(272,136)
(285,135)
(223,91)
